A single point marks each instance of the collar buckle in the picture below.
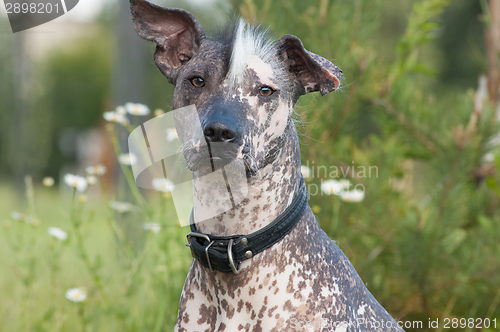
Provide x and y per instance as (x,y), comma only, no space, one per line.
(210,242)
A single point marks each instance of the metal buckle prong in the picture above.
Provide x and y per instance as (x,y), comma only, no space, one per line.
(203,236)
(195,234)
(208,257)
(230,257)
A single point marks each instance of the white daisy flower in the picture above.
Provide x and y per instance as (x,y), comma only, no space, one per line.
(353,196)
(75,181)
(32,221)
(96,170)
(76,294)
(171,134)
(114,117)
(18,215)
(127,159)
(48,181)
(121,110)
(152,227)
(121,207)
(345,184)
(330,187)
(58,233)
(91,179)
(163,185)
(137,109)
(306,171)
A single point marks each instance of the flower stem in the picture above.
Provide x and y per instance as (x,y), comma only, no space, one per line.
(129,178)
(75,222)
(81,313)
(335,215)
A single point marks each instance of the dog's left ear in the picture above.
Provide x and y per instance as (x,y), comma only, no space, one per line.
(312,71)
(176,32)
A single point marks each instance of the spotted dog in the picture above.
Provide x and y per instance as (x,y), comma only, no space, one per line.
(244,88)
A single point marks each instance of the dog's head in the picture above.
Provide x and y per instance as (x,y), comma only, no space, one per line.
(243,86)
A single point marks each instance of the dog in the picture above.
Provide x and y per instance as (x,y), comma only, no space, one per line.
(263,264)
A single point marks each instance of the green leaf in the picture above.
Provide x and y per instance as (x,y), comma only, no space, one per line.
(454,239)
(491,183)
(485,222)
(420,68)
(497,161)
(429,26)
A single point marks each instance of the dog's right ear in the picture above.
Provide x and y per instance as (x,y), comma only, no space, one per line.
(312,71)
(176,32)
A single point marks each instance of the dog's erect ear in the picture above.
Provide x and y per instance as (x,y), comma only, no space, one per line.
(176,32)
(312,71)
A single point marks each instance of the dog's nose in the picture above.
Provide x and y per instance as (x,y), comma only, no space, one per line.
(218,131)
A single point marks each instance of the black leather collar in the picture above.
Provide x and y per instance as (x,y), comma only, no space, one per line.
(225,253)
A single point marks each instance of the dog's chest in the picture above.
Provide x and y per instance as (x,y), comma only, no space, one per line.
(303,283)
(263,299)
(284,286)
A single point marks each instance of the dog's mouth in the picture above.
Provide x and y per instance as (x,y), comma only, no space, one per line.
(215,156)
(211,157)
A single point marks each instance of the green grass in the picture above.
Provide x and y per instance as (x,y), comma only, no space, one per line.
(133,277)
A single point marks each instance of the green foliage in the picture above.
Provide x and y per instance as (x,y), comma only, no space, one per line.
(126,290)
(461,43)
(6,90)
(77,82)
(419,31)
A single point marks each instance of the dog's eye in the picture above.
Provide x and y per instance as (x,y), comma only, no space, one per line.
(198,82)
(266,91)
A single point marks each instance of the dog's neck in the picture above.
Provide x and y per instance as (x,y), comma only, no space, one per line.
(270,192)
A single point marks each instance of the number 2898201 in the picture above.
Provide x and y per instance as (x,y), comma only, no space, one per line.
(32,8)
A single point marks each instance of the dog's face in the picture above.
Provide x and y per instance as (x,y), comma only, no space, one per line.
(243,86)
(244,97)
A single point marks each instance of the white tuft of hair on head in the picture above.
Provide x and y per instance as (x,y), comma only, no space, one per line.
(248,41)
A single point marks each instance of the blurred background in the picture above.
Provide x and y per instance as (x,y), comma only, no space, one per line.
(419,101)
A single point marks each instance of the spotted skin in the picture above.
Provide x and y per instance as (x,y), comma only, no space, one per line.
(304,279)
(304,282)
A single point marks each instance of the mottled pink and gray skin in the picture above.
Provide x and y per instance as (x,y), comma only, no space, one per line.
(304,282)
